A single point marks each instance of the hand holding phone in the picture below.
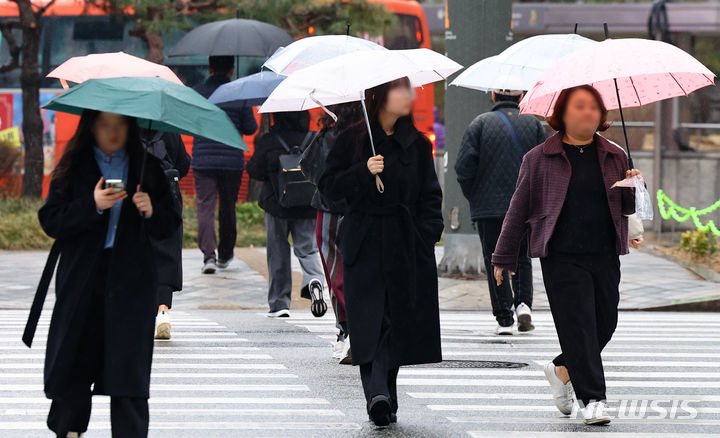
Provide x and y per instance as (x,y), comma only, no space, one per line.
(106,197)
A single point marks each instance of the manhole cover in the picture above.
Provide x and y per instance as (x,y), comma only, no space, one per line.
(473,364)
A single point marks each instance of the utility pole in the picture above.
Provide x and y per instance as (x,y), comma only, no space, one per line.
(474,29)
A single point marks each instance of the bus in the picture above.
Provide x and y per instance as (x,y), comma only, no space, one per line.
(74,28)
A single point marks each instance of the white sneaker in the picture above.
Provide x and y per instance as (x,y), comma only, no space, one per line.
(594,414)
(223,264)
(73,435)
(282,313)
(562,392)
(502,330)
(162,325)
(338,348)
(346,353)
(524,318)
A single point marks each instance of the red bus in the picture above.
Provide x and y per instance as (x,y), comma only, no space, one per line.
(72,28)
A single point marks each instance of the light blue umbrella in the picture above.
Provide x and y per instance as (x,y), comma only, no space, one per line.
(247,91)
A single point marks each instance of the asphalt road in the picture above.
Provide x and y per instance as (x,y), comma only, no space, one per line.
(236,373)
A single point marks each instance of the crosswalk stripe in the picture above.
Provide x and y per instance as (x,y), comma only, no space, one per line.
(543,383)
(560,434)
(521,372)
(548,396)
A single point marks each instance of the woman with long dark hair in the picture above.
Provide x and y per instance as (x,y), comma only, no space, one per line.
(388,243)
(100,339)
(578,226)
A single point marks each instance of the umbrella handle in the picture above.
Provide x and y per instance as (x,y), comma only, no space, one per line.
(378,182)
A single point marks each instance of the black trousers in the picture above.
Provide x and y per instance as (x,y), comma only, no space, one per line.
(211,186)
(70,412)
(583,294)
(501,297)
(379,377)
(165,295)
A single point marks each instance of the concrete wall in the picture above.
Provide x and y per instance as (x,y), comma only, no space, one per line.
(691,179)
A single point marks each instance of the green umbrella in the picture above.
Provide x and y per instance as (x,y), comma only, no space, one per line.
(156,103)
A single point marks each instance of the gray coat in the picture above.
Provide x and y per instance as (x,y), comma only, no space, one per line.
(488,163)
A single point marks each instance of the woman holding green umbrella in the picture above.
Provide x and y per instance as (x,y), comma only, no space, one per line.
(101,331)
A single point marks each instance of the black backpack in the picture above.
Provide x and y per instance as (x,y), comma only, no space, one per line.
(294,189)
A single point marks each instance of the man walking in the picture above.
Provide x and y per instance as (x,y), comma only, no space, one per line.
(218,172)
(487,168)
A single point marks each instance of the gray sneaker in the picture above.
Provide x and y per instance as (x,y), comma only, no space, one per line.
(209,267)
(223,264)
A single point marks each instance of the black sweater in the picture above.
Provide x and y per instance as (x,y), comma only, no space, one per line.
(585,225)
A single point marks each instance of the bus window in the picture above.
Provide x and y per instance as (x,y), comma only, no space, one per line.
(407,33)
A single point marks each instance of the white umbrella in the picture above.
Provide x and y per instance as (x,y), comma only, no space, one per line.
(345,78)
(519,66)
(311,50)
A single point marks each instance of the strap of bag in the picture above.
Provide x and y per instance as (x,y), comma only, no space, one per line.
(302,145)
(40,295)
(509,127)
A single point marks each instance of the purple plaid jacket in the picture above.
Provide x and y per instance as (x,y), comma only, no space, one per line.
(540,195)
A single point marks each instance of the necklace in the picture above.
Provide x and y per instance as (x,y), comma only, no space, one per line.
(581,148)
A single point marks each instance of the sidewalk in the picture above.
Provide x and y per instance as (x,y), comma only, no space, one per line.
(647,282)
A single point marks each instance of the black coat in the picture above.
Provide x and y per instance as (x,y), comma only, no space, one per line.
(388,242)
(169,148)
(488,162)
(70,216)
(265,165)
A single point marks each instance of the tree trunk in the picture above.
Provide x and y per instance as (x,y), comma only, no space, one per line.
(153,42)
(32,125)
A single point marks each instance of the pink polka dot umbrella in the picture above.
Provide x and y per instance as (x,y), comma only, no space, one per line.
(646,71)
(627,72)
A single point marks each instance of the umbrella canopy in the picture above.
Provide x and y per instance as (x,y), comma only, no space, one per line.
(109,65)
(155,102)
(311,50)
(645,71)
(519,66)
(247,91)
(346,77)
(234,37)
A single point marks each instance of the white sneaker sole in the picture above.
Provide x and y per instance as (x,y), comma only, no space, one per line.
(163,331)
(597,421)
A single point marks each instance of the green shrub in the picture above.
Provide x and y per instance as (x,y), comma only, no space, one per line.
(699,242)
(19,225)
(250,213)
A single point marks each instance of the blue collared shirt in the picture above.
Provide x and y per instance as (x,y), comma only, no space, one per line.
(112,167)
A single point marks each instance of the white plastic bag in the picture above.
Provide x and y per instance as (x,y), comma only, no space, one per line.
(643,205)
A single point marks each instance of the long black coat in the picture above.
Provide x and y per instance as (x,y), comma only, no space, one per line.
(70,216)
(387,241)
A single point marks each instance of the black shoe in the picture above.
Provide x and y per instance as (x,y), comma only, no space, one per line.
(318,306)
(393,417)
(379,410)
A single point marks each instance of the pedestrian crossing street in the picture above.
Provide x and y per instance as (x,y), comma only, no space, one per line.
(662,371)
(206,382)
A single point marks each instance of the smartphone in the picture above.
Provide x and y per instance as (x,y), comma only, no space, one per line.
(116,184)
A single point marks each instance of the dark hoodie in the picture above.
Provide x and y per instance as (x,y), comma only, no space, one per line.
(292,127)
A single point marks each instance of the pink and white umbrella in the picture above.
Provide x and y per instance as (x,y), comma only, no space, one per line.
(645,71)
(109,65)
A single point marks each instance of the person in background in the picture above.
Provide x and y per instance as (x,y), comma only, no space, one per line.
(578,226)
(169,148)
(218,170)
(289,129)
(388,243)
(438,130)
(100,336)
(329,217)
(487,168)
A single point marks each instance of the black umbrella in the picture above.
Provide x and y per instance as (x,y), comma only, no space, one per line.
(234,37)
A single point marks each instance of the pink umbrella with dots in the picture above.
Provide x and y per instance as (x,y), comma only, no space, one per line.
(627,72)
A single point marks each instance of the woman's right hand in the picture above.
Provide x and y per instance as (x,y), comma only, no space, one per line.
(499,275)
(376,164)
(106,198)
